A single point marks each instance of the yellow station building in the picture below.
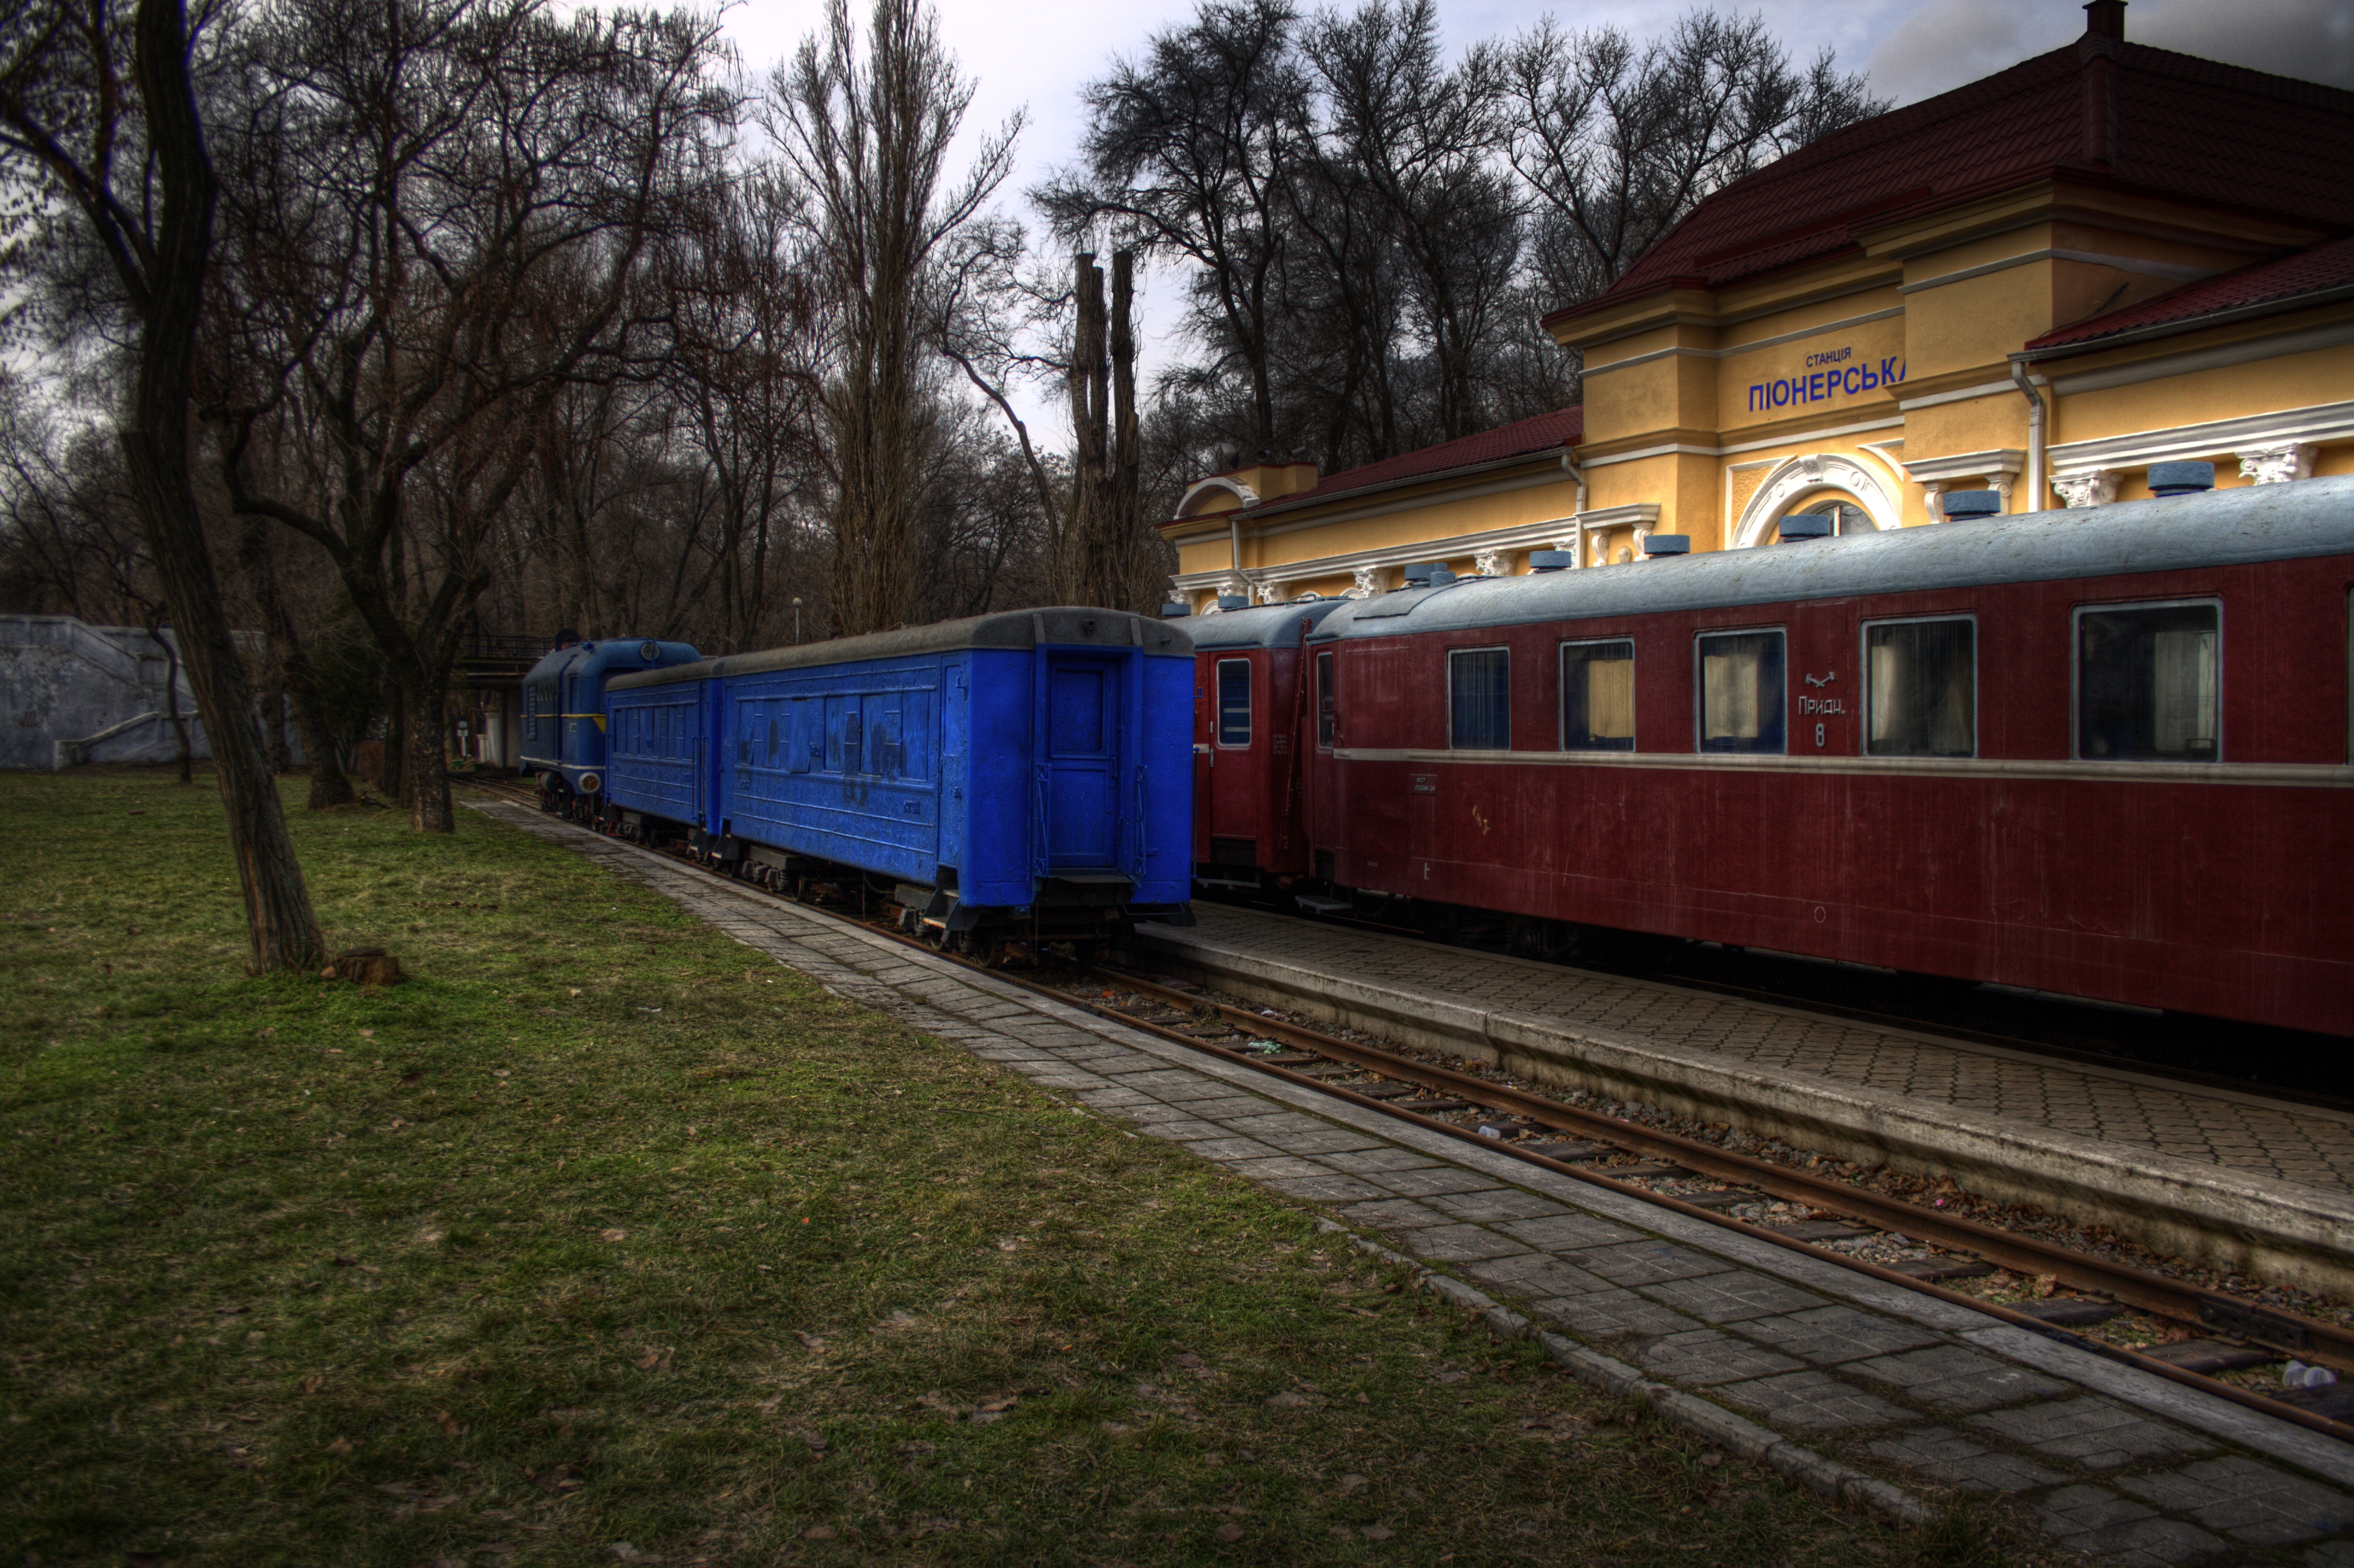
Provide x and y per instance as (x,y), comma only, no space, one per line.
(2038,284)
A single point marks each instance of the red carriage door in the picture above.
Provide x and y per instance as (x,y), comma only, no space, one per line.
(1204,757)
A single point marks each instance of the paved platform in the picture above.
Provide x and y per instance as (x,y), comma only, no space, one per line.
(2237,1180)
(1862,1389)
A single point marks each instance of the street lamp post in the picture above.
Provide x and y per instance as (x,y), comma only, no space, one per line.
(797,619)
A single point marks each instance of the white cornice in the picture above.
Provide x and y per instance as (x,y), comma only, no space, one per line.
(1966,465)
(2316,423)
(2223,354)
(1959,394)
(1519,536)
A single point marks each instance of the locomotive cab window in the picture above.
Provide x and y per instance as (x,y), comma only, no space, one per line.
(1743,692)
(1920,688)
(1234,702)
(2147,682)
(1597,696)
(1325,724)
(1479,699)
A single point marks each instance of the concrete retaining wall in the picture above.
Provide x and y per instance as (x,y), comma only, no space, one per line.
(72,693)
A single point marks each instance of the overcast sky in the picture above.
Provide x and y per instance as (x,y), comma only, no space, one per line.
(1035,54)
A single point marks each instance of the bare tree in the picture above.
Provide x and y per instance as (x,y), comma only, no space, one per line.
(99,109)
(865,129)
(1419,141)
(744,382)
(1183,159)
(1098,558)
(439,208)
(1616,142)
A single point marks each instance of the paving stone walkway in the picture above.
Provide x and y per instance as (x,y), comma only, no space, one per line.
(1928,1395)
(2310,1148)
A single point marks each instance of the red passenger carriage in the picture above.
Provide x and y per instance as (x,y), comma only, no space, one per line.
(2099,753)
(1249,778)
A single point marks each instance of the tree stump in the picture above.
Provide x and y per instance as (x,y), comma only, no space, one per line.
(367,966)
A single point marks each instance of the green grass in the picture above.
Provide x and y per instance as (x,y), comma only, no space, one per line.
(604,1230)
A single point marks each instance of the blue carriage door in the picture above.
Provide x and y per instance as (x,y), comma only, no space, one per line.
(1082,765)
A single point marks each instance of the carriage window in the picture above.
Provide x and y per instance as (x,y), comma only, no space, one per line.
(1740,692)
(1920,690)
(2147,683)
(1479,699)
(1324,701)
(1597,696)
(1234,702)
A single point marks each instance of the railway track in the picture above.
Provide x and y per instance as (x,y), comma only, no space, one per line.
(2279,1063)
(2226,1333)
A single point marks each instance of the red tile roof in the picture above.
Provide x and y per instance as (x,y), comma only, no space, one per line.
(1524,438)
(2282,283)
(2098,110)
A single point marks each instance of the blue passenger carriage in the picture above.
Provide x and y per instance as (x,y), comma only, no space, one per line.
(1019,776)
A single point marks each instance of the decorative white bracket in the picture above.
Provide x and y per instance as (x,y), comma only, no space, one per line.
(1369,582)
(2077,490)
(1489,563)
(2276,465)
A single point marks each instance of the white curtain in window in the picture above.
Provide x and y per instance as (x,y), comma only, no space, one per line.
(2183,689)
(1887,679)
(1728,680)
(1610,698)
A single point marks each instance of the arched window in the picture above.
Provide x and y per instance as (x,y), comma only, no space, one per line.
(1847,516)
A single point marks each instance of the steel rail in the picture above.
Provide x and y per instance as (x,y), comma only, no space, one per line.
(2008,1249)
(2321,1341)
(1936,1029)
(1700,1158)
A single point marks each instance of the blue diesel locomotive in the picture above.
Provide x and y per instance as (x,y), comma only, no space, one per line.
(1024,776)
(563,713)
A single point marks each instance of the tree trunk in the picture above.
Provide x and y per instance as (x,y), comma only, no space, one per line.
(1074,571)
(392,775)
(283,932)
(329,787)
(1123,482)
(274,708)
(1097,560)
(427,772)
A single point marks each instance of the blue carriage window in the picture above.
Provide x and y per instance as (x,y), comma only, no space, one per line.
(883,743)
(772,740)
(1742,692)
(1479,699)
(916,736)
(1234,702)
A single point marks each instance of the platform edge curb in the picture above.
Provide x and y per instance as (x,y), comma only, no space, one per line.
(1686,1412)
